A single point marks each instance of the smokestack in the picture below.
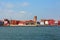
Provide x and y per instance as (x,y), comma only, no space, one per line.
(35,19)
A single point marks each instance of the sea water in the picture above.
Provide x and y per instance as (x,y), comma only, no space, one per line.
(30,33)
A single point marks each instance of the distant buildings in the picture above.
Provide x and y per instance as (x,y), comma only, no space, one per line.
(34,22)
(47,22)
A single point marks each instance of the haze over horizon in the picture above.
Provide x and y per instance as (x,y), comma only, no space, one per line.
(27,9)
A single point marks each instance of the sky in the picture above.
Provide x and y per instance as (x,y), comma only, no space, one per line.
(27,9)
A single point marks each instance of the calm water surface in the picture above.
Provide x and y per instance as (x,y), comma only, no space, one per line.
(29,33)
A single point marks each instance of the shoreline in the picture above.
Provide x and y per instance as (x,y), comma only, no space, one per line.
(31,26)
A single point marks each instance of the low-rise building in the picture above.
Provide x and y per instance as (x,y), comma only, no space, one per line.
(58,22)
(47,22)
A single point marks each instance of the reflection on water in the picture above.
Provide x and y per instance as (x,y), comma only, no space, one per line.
(29,33)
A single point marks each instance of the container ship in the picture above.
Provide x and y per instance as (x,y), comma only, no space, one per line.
(30,23)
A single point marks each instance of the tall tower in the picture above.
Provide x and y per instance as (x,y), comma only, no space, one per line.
(35,19)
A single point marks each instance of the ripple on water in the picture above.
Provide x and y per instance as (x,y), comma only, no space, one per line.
(29,33)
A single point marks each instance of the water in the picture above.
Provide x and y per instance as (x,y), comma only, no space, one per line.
(29,33)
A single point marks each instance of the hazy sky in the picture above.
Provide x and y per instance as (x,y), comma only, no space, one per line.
(27,9)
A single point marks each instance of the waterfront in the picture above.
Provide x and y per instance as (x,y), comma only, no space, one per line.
(29,33)
(34,22)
